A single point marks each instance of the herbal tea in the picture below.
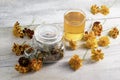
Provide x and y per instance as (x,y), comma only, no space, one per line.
(74,23)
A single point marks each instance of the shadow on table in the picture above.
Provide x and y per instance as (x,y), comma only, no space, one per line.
(65,66)
(88,62)
(62,65)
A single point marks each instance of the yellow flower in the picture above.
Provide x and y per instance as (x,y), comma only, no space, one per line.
(114,32)
(89,35)
(17,31)
(18,49)
(36,64)
(104,10)
(97,28)
(73,44)
(75,62)
(22,69)
(97,55)
(103,41)
(94,9)
(91,43)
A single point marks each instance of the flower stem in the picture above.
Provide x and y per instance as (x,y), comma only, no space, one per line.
(24,43)
(85,54)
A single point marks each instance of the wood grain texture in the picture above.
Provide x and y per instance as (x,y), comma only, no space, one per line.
(52,11)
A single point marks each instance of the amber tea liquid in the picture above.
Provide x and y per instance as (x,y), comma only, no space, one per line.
(74,23)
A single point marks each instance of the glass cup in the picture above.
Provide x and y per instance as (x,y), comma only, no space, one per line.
(74,24)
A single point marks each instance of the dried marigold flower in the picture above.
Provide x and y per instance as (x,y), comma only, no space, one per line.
(91,43)
(97,55)
(36,64)
(21,69)
(103,41)
(73,44)
(19,49)
(17,31)
(23,61)
(104,10)
(95,9)
(28,32)
(89,35)
(114,32)
(97,28)
(75,62)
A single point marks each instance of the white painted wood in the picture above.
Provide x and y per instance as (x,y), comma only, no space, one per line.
(52,11)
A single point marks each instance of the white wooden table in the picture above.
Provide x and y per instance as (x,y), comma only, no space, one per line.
(52,11)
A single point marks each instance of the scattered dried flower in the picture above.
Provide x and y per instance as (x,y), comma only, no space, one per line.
(97,55)
(19,49)
(114,32)
(97,28)
(75,62)
(95,9)
(73,44)
(23,61)
(91,43)
(36,64)
(89,35)
(21,69)
(17,31)
(103,41)
(28,32)
(104,10)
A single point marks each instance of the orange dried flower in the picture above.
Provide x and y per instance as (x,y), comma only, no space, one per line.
(21,69)
(94,9)
(73,44)
(17,31)
(97,28)
(103,41)
(19,49)
(89,35)
(114,32)
(91,43)
(75,62)
(104,10)
(36,64)
(97,55)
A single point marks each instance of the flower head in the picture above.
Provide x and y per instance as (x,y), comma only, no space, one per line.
(89,35)
(104,10)
(91,43)
(103,41)
(75,62)
(23,61)
(17,31)
(96,55)
(18,49)
(21,69)
(73,44)
(36,64)
(114,32)
(97,28)
(94,9)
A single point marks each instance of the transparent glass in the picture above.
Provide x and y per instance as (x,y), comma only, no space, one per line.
(74,24)
(30,52)
(49,43)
